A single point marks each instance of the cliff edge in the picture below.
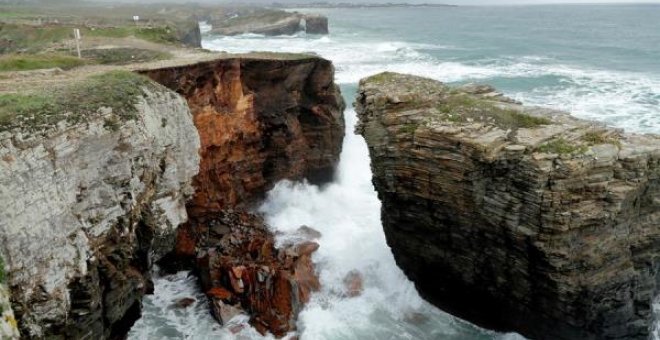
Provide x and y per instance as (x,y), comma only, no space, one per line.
(515,218)
(93,183)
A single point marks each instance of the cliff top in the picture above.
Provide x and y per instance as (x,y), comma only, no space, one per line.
(38,100)
(419,107)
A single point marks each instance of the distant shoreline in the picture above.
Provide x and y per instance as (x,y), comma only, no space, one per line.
(355,5)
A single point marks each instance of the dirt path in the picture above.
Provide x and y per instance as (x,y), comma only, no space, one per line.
(44,79)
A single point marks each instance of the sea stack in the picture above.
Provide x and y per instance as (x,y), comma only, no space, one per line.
(516,218)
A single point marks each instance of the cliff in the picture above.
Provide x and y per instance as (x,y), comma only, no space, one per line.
(100,173)
(261,119)
(93,184)
(516,218)
(269,22)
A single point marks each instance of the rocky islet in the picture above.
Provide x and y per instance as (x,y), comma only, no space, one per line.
(516,218)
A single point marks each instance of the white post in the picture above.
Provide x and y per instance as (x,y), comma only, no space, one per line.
(76,33)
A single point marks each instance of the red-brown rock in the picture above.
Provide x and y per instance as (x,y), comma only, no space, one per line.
(353,283)
(259,121)
(241,267)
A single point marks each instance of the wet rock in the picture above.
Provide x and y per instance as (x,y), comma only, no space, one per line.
(223,312)
(353,283)
(515,218)
(308,233)
(254,130)
(93,208)
(244,270)
(316,24)
(184,302)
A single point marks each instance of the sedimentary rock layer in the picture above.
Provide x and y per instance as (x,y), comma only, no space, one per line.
(270,22)
(260,121)
(241,270)
(86,207)
(516,218)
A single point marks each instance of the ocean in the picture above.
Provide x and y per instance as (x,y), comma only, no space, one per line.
(600,62)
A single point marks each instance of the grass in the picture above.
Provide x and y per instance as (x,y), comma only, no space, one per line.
(120,56)
(160,35)
(595,138)
(561,146)
(408,128)
(118,90)
(28,38)
(465,108)
(381,77)
(21,62)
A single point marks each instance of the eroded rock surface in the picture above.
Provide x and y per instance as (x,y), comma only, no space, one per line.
(269,22)
(86,208)
(260,121)
(241,271)
(520,219)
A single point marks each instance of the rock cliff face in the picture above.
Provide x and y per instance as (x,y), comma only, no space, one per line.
(260,121)
(241,271)
(520,219)
(316,24)
(87,206)
(271,23)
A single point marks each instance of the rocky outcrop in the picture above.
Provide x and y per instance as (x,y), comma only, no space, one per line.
(87,207)
(270,23)
(316,24)
(8,325)
(241,270)
(189,33)
(260,121)
(515,218)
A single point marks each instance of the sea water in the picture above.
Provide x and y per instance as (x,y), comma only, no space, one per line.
(599,62)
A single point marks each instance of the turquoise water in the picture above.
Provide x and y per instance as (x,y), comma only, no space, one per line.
(599,62)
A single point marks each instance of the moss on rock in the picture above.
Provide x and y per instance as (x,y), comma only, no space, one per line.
(117,90)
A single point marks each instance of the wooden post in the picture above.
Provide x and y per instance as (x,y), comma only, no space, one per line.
(76,33)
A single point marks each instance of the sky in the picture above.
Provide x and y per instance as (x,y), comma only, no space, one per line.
(470,2)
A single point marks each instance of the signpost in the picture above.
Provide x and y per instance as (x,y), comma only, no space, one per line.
(136,18)
(76,33)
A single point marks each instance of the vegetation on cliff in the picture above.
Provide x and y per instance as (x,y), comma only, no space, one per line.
(76,102)
(516,218)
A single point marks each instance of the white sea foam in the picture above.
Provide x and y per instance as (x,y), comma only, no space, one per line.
(347,211)
(624,99)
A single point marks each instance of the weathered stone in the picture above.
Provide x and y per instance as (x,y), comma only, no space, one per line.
(518,219)
(260,121)
(87,208)
(184,302)
(243,268)
(8,325)
(353,283)
(316,24)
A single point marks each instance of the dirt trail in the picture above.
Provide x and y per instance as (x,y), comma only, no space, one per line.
(45,79)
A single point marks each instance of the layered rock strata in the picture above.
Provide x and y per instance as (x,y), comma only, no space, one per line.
(270,23)
(260,121)
(241,270)
(516,218)
(87,206)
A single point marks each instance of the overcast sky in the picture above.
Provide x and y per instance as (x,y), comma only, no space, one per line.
(464,2)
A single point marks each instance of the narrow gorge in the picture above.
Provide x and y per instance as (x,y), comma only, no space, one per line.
(93,200)
(516,218)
